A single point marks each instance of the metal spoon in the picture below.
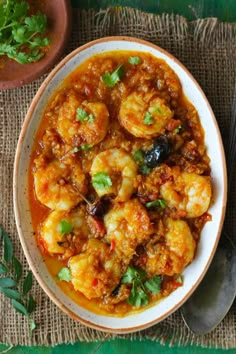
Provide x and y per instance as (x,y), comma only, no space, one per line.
(211,301)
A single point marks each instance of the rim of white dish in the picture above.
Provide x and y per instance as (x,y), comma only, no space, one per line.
(20,146)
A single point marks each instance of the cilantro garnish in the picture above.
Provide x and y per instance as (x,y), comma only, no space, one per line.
(64,274)
(84,116)
(158,110)
(178,129)
(101,180)
(148,118)
(65,227)
(156,203)
(138,157)
(73,151)
(112,79)
(86,147)
(154,284)
(21,36)
(134,60)
(138,294)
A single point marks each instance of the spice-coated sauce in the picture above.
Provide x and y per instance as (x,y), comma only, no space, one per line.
(119,182)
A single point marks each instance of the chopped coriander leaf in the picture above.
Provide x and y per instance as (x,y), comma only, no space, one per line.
(137,297)
(179,279)
(144,169)
(65,227)
(21,36)
(138,156)
(136,276)
(178,129)
(91,118)
(83,116)
(158,110)
(162,203)
(154,284)
(112,79)
(73,151)
(134,60)
(148,118)
(86,147)
(133,273)
(64,274)
(101,180)
(156,203)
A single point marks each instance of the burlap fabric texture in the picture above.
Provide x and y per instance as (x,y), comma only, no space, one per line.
(208,49)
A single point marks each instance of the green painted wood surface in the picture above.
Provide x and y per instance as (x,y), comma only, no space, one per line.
(225,10)
(117,347)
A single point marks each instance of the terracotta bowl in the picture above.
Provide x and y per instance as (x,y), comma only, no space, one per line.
(13,74)
(211,231)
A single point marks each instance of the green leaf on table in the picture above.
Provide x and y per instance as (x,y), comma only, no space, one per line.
(1,233)
(19,307)
(154,284)
(11,293)
(65,227)
(134,60)
(17,267)
(7,282)
(27,283)
(31,304)
(101,180)
(64,274)
(3,269)
(7,249)
(32,325)
(112,79)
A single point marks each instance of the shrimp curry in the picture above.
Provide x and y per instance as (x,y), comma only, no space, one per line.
(119,183)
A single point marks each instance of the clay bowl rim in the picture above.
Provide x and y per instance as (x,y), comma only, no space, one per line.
(55,298)
(42,66)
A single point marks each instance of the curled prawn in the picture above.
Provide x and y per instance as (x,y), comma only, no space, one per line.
(81,122)
(96,272)
(174,253)
(121,170)
(187,192)
(58,185)
(145,115)
(128,225)
(56,241)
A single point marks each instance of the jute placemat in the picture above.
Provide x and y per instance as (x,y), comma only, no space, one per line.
(208,49)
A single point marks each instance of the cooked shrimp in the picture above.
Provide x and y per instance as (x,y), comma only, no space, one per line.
(144,115)
(115,163)
(128,225)
(81,122)
(56,241)
(175,253)
(187,192)
(58,185)
(97,271)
